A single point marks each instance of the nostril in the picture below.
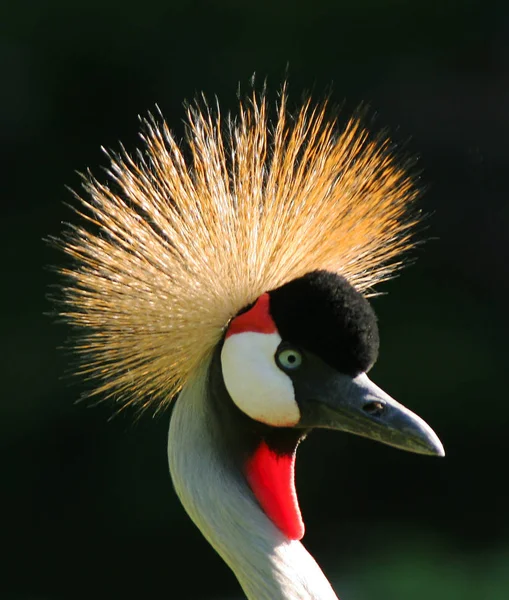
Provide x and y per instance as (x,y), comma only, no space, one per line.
(374,408)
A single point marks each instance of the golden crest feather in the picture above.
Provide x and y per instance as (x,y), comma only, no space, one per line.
(176,248)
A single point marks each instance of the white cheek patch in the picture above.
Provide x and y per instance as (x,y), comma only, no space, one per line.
(255,383)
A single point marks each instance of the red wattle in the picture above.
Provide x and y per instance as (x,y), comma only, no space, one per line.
(271,478)
(256,319)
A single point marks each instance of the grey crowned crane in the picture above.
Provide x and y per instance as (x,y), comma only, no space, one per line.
(230,276)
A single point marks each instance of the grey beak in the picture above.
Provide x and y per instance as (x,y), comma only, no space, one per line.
(357,405)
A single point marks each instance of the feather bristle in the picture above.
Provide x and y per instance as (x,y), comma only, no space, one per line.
(173,248)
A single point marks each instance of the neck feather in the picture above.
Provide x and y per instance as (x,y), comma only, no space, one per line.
(218,499)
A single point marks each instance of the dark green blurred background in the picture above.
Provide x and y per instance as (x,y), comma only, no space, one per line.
(89,509)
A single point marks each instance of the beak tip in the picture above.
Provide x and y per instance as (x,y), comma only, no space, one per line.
(440,451)
(421,438)
(435,446)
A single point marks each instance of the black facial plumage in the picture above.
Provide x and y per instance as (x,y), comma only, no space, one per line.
(322,313)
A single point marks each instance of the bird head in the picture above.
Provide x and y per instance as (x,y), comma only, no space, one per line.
(298,359)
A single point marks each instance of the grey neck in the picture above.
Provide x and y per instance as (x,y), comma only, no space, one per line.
(218,499)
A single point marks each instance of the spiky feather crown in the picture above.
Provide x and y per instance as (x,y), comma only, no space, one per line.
(177,247)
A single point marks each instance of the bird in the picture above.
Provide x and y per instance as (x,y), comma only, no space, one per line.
(227,275)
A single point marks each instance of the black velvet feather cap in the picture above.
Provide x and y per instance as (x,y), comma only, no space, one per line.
(324,314)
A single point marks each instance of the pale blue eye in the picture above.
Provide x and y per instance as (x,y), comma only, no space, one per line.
(289,359)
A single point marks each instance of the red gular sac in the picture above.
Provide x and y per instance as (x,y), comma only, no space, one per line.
(271,477)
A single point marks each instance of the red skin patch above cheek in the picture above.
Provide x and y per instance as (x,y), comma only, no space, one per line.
(256,319)
(272,479)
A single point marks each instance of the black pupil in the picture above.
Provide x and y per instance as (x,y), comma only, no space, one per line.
(291,358)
